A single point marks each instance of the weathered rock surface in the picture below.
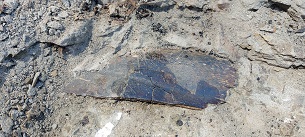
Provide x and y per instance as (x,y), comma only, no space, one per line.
(63,40)
(55,25)
(194,3)
(279,52)
(79,32)
(253,4)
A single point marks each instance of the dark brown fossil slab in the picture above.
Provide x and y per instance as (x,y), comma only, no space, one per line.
(175,77)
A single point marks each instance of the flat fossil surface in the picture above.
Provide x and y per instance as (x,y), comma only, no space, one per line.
(176,77)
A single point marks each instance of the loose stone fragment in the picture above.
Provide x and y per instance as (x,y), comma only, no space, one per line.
(179,122)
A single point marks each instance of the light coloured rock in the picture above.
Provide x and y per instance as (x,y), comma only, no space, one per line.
(300,3)
(63,14)
(107,129)
(35,79)
(54,126)
(112,9)
(11,5)
(259,45)
(3,36)
(55,25)
(53,9)
(31,91)
(40,13)
(178,40)
(160,3)
(287,128)
(276,49)
(281,43)
(193,3)
(7,19)
(298,9)
(268,28)
(253,4)
(22,17)
(76,33)
(51,32)
(106,1)
(6,124)
(43,27)
(254,109)
(2,56)
(66,3)
(223,4)
(297,12)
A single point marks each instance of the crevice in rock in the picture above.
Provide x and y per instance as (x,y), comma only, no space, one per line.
(298,66)
(278,6)
(262,58)
(156,7)
(71,49)
(192,8)
(253,10)
(124,39)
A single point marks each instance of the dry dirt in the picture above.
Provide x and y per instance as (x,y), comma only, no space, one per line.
(45,44)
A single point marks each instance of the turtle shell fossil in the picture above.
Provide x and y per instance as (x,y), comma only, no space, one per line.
(174,77)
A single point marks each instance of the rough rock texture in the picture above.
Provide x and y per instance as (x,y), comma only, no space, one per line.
(60,40)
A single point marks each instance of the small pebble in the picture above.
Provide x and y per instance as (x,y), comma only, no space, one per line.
(53,73)
(52,32)
(179,122)
(22,17)
(35,79)
(14,114)
(63,14)
(54,126)
(28,80)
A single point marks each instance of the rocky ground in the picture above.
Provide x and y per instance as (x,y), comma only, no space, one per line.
(45,44)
